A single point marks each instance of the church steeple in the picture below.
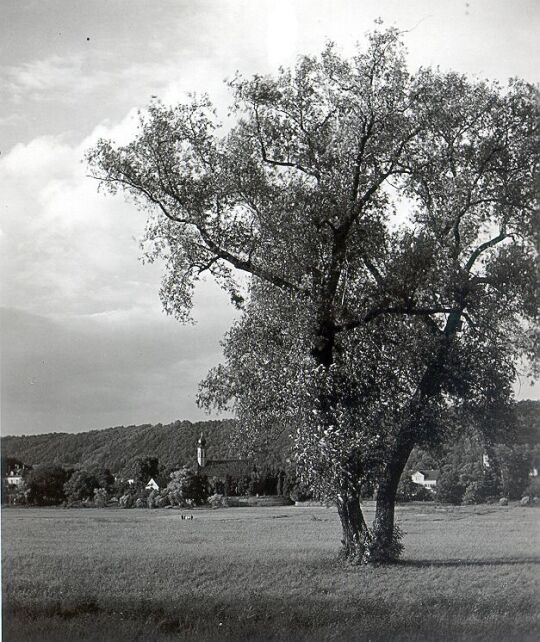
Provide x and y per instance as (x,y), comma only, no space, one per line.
(201,451)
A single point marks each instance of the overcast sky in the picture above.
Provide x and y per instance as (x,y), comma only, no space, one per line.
(84,342)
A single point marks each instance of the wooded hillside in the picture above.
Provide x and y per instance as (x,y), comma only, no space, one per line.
(176,443)
(116,448)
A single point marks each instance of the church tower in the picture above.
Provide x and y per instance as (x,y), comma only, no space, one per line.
(201,451)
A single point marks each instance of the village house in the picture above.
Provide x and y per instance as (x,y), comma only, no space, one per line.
(152,484)
(426,478)
(13,483)
(15,477)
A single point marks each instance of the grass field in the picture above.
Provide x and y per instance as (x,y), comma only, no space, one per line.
(468,573)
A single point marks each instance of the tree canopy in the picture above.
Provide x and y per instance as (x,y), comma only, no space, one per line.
(385,221)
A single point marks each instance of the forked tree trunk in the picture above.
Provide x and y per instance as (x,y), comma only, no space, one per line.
(355,531)
(385,546)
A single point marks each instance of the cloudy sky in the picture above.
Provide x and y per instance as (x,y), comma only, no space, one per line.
(84,342)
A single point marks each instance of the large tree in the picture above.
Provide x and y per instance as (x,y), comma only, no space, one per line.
(45,485)
(385,223)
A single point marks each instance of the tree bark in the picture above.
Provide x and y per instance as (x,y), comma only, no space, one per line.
(385,546)
(355,531)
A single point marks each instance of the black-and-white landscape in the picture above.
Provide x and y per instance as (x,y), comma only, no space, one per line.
(269,320)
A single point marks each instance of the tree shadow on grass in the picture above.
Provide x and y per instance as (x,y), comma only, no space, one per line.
(269,617)
(503,561)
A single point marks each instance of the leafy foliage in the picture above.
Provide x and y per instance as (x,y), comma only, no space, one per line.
(117,449)
(358,332)
(81,486)
(186,488)
(450,489)
(45,485)
(100,497)
(408,491)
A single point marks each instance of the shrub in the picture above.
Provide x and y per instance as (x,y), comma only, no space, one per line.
(216,500)
(242,486)
(301,492)
(473,493)
(81,486)
(231,487)
(514,465)
(162,501)
(422,494)
(100,497)
(406,490)
(126,501)
(254,486)
(45,485)
(479,491)
(217,486)
(186,488)
(269,482)
(449,489)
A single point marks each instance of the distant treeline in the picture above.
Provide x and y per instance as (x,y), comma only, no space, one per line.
(174,445)
(117,449)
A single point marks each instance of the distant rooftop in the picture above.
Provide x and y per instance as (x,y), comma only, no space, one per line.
(430,474)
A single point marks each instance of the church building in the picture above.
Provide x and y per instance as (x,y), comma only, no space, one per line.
(226,475)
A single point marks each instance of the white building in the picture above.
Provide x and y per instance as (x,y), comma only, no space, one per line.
(14,478)
(426,478)
(152,485)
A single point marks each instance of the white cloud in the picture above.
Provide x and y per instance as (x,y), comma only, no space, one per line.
(86,344)
(54,78)
(72,79)
(66,248)
(281,33)
(45,75)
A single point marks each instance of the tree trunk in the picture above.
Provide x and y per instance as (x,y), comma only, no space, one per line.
(385,546)
(355,531)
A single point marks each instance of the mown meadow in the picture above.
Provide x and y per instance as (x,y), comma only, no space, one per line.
(111,575)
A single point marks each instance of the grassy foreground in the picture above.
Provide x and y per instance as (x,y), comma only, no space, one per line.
(114,575)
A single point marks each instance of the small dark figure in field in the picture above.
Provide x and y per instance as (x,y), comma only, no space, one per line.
(186,516)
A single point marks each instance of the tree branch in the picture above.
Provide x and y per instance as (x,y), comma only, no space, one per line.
(272,161)
(374,271)
(485,246)
(219,252)
(404,310)
(247,265)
